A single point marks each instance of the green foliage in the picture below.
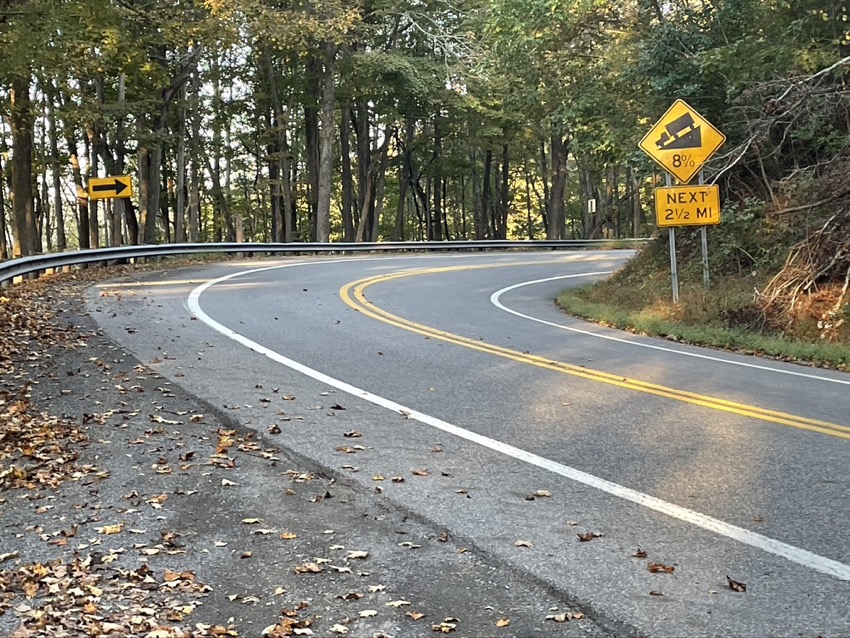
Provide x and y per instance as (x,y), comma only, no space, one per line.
(700,319)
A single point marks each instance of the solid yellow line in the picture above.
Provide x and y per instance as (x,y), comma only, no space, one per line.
(353,295)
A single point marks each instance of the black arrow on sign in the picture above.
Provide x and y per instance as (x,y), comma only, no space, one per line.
(116,187)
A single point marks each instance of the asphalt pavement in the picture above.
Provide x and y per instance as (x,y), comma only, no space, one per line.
(655,488)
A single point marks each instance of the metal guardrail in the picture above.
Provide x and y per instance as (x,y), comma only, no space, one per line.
(39,264)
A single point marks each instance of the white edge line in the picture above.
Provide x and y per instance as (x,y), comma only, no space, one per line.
(794,554)
(495,300)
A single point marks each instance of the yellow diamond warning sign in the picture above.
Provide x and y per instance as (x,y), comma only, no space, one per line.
(687,205)
(682,141)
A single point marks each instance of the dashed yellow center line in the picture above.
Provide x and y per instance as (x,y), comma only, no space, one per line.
(353,295)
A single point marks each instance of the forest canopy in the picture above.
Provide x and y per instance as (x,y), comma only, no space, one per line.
(277,120)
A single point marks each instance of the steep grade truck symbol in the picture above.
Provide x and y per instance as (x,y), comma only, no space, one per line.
(682,141)
(682,132)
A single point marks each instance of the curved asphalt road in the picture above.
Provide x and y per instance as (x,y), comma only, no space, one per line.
(712,463)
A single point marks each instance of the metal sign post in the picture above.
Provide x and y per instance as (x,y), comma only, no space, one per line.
(703,235)
(681,142)
(674,270)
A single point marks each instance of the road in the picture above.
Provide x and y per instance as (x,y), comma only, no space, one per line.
(458,374)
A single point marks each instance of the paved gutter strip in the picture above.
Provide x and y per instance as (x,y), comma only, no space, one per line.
(152,431)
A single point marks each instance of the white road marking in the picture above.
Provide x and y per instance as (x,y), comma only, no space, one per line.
(495,300)
(794,554)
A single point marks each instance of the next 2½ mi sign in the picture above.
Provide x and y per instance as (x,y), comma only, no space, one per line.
(687,205)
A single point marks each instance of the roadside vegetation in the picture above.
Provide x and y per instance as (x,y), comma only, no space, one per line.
(779,284)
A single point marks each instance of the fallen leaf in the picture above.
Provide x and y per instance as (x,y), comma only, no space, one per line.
(503,622)
(339,629)
(445,627)
(524,544)
(397,479)
(288,536)
(353,434)
(565,617)
(398,603)
(274,429)
(415,615)
(250,521)
(357,554)
(660,568)
(110,529)
(421,472)
(542,494)
(589,536)
(366,613)
(245,555)
(309,568)
(734,585)
(639,554)
(227,482)
(376,588)
(655,593)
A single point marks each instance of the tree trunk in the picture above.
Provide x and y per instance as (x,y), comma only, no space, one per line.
(165,197)
(281,125)
(486,185)
(180,213)
(398,232)
(347,179)
(124,205)
(637,210)
(380,187)
(504,203)
(93,147)
(23,216)
(323,210)
(4,247)
(144,191)
(557,220)
(544,177)
(55,164)
(360,119)
(436,230)
(311,132)
(464,233)
(44,225)
(195,177)
(274,152)
(529,228)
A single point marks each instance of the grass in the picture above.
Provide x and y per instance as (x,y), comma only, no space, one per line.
(639,299)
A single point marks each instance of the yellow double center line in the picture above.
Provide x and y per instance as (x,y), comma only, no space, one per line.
(353,295)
